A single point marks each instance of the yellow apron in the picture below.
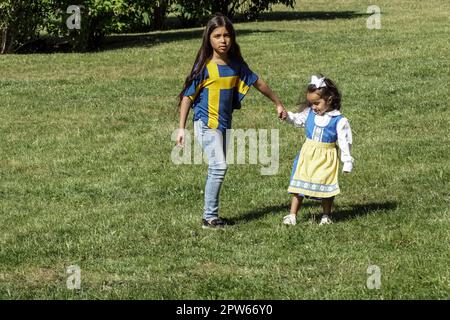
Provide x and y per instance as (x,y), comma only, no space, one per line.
(316,172)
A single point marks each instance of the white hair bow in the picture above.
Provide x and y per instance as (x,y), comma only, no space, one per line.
(318,82)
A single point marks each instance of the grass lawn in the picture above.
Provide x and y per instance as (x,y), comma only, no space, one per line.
(87,179)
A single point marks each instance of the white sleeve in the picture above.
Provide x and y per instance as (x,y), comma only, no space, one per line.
(345,141)
(298,119)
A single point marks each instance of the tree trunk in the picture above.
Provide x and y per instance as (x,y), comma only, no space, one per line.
(159,16)
(220,6)
(7,40)
(234,7)
(4,40)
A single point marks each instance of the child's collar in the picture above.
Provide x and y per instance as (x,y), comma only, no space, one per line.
(333,113)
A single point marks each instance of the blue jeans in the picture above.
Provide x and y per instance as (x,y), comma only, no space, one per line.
(214,145)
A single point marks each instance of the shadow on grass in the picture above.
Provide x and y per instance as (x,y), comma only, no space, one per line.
(260,213)
(155,38)
(362,210)
(49,45)
(303,15)
(148,40)
(337,215)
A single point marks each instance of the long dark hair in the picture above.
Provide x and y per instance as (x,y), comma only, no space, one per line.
(206,51)
(330,91)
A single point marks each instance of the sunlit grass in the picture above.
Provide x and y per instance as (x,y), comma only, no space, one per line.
(87,179)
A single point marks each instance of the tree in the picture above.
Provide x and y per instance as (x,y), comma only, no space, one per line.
(98,18)
(191,12)
(159,10)
(103,17)
(20,22)
(252,8)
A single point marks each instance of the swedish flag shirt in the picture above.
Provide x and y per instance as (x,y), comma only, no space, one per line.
(218,91)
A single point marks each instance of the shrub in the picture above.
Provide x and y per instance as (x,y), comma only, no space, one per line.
(20,22)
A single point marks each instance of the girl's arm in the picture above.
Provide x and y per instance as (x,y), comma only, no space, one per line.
(298,119)
(185,106)
(345,141)
(262,87)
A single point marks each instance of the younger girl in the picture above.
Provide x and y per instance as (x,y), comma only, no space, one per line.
(218,81)
(315,171)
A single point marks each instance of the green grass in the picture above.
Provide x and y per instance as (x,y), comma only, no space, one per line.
(87,179)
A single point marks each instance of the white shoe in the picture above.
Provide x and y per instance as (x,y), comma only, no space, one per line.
(325,220)
(290,219)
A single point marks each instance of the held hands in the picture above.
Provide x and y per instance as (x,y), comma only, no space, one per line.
(281,111)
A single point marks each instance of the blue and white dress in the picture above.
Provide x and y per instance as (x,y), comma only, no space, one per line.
(315,169)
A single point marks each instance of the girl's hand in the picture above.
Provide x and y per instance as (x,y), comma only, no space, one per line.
(282,113)
(180,138)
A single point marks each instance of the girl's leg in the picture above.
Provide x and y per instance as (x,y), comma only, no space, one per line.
(327,203)
(214,180)
(296,204)
(291,219)
(214,147)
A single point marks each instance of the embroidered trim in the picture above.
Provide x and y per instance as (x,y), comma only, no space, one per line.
(314,186)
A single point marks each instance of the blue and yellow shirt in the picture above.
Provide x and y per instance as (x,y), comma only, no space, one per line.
(218,91)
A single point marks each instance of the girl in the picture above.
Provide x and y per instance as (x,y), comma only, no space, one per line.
(315,171)
(218,81)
